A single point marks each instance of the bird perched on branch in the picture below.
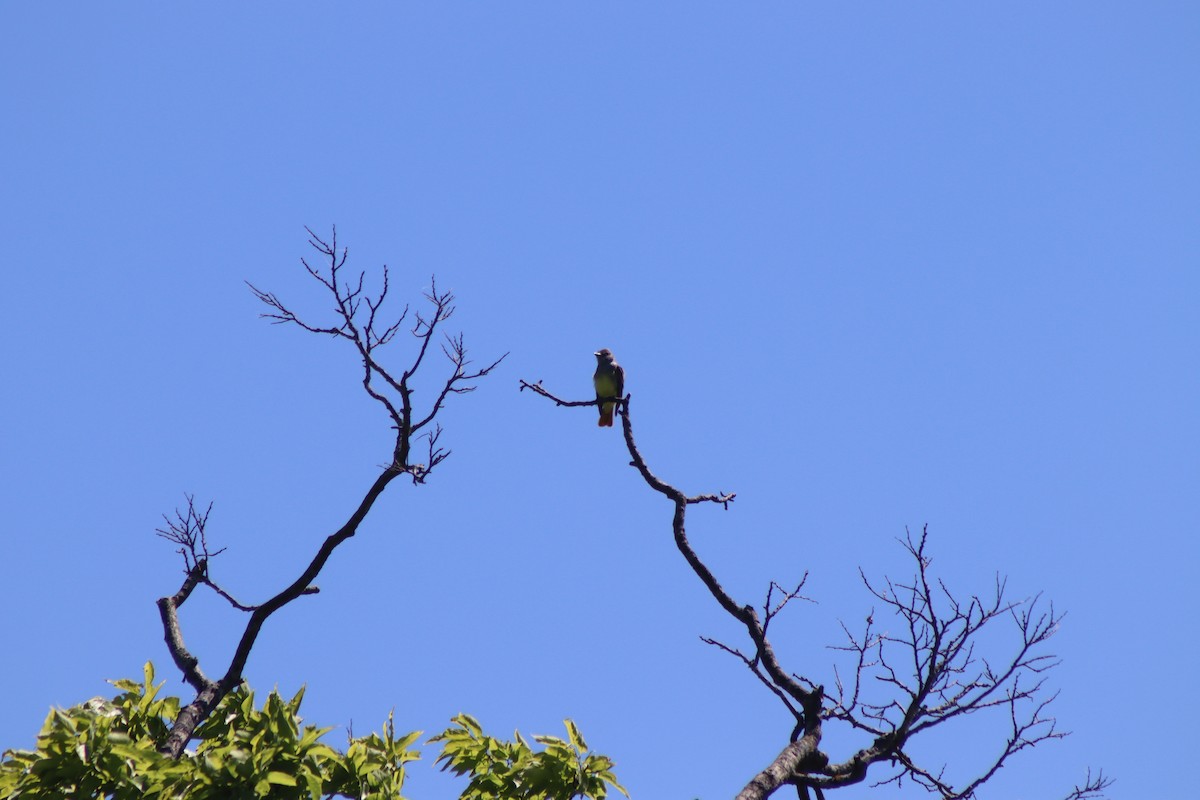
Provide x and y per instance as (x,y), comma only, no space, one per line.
(610,383)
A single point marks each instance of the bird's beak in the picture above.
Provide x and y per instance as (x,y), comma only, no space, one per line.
(596,353)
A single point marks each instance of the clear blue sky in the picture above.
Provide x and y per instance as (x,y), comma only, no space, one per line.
(868,265)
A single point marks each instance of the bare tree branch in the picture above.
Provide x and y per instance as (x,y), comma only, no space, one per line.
(799,754)
(925,673)
(1092,787)
(368,333)
(537,388)
(358,319)
(187,529)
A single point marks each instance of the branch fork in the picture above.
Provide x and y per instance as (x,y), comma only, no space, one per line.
(943,678)
(358,319)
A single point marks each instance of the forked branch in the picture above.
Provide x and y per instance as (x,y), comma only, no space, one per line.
(928,667)
(359,319)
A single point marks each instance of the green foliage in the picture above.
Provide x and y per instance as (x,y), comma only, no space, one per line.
(513,771)
(108,750)
(99,749)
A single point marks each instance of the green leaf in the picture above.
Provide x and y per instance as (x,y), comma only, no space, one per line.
(575,736)
(280,778)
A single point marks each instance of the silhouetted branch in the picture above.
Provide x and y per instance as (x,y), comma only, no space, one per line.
(753,665)
(807,701)
(358,319)
(1092,787)
(944,677)
(187,529)
(537,388)
(929,667)
(367,331)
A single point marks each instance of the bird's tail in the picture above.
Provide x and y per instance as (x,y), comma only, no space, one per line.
(606,416)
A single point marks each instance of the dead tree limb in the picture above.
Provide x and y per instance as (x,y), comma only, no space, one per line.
(359,319)
(931,669)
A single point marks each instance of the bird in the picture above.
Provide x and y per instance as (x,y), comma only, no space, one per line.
(610,383)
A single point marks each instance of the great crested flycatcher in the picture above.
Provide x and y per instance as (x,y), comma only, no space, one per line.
(610,383)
